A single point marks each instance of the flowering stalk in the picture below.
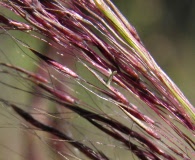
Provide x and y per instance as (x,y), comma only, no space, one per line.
(100,40)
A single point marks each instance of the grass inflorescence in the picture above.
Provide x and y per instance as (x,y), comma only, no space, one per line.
(96,91)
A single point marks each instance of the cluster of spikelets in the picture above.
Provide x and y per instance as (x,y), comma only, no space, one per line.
(136,108)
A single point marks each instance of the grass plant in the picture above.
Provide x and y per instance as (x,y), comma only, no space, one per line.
(93,91)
